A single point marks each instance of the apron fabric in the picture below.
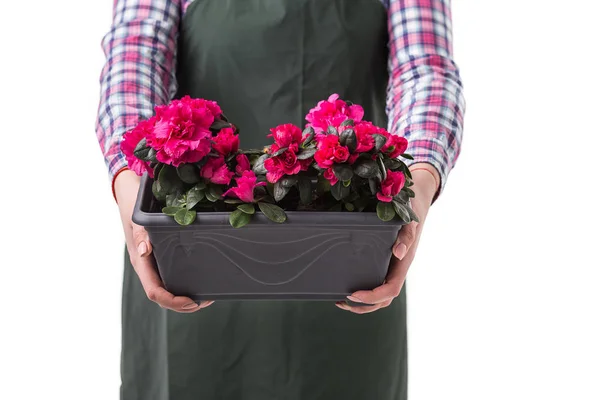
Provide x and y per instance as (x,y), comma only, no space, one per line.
(267,62)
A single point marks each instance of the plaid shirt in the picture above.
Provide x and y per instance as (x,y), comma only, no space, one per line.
(424,103)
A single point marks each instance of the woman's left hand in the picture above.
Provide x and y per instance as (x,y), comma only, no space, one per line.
(405,247)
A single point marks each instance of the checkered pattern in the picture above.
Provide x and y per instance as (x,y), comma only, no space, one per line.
(425,101)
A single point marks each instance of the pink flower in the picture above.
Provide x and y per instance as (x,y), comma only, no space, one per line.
(286,134)
(181,132)
(330,151)
(395,145)
(129,143)
(284,164)
(330,176)
(333,112)
(216,171)
(212,106)
(226,142)
(243,164)
(364,136)
(245,187)
(391,186)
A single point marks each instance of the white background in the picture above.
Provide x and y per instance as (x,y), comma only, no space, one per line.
(504,299)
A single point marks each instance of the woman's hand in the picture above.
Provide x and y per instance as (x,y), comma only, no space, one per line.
(127,184)
(405,247)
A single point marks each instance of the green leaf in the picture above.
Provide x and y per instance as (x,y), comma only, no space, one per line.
(157,169)
(348,139)
(188,173)
(365,168)
(280,151)
(237,218)
(279,191)
(305,190)
(200,186)
(259,166)
(402,212)
(233,201)
(409,192)
(211,197)
(406,155)
(169,180)
(392,163)
(246,208)
(331,130)
(219,124)
(288,181)
(252,152)
(349,206)
(185,217)
(343,171)
(309,133)
(159,193)
(382,168)
(402,197)
(323,186)
(347,122)
(385,211)
(306,154)
(339,191)
(346,183)
(216,191)
(413,215)
(151,157)
(273,212)
(142,150)
(175,200)
(171,211)
(373,186)
(194,196)
(379,141)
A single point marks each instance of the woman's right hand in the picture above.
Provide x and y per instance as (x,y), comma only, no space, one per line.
(126,186)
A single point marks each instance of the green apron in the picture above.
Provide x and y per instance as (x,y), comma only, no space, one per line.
(268,62)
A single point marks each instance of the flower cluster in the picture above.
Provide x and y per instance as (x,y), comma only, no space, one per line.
(339,161)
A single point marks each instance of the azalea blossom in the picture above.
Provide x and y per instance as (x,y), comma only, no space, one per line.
(181,131)
(226,142)
(245,187)
(332,112)
(216,171)
(391,186)
(243,164)
(330,151)
(130,142)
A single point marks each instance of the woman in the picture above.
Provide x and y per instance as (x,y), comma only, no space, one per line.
(266,62)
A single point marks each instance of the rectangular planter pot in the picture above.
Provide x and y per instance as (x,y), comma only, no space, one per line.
(312,256)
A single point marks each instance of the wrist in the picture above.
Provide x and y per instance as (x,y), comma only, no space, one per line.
(123,180)
(426,179)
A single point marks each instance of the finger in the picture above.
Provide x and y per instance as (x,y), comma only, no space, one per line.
(155,291)
(358,310)
(406,238)
(205,304)
(141,241)
(389,290)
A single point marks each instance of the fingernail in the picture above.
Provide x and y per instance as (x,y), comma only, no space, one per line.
(400,251)
(354,299)
(190,306)
(142,249)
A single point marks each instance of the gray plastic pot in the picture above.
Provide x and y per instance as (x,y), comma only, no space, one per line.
(312,256)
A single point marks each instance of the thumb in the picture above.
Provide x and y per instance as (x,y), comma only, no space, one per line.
(406,238)
(141,241)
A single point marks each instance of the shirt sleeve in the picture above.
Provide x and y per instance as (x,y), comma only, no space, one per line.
(139,70)
(425,100)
